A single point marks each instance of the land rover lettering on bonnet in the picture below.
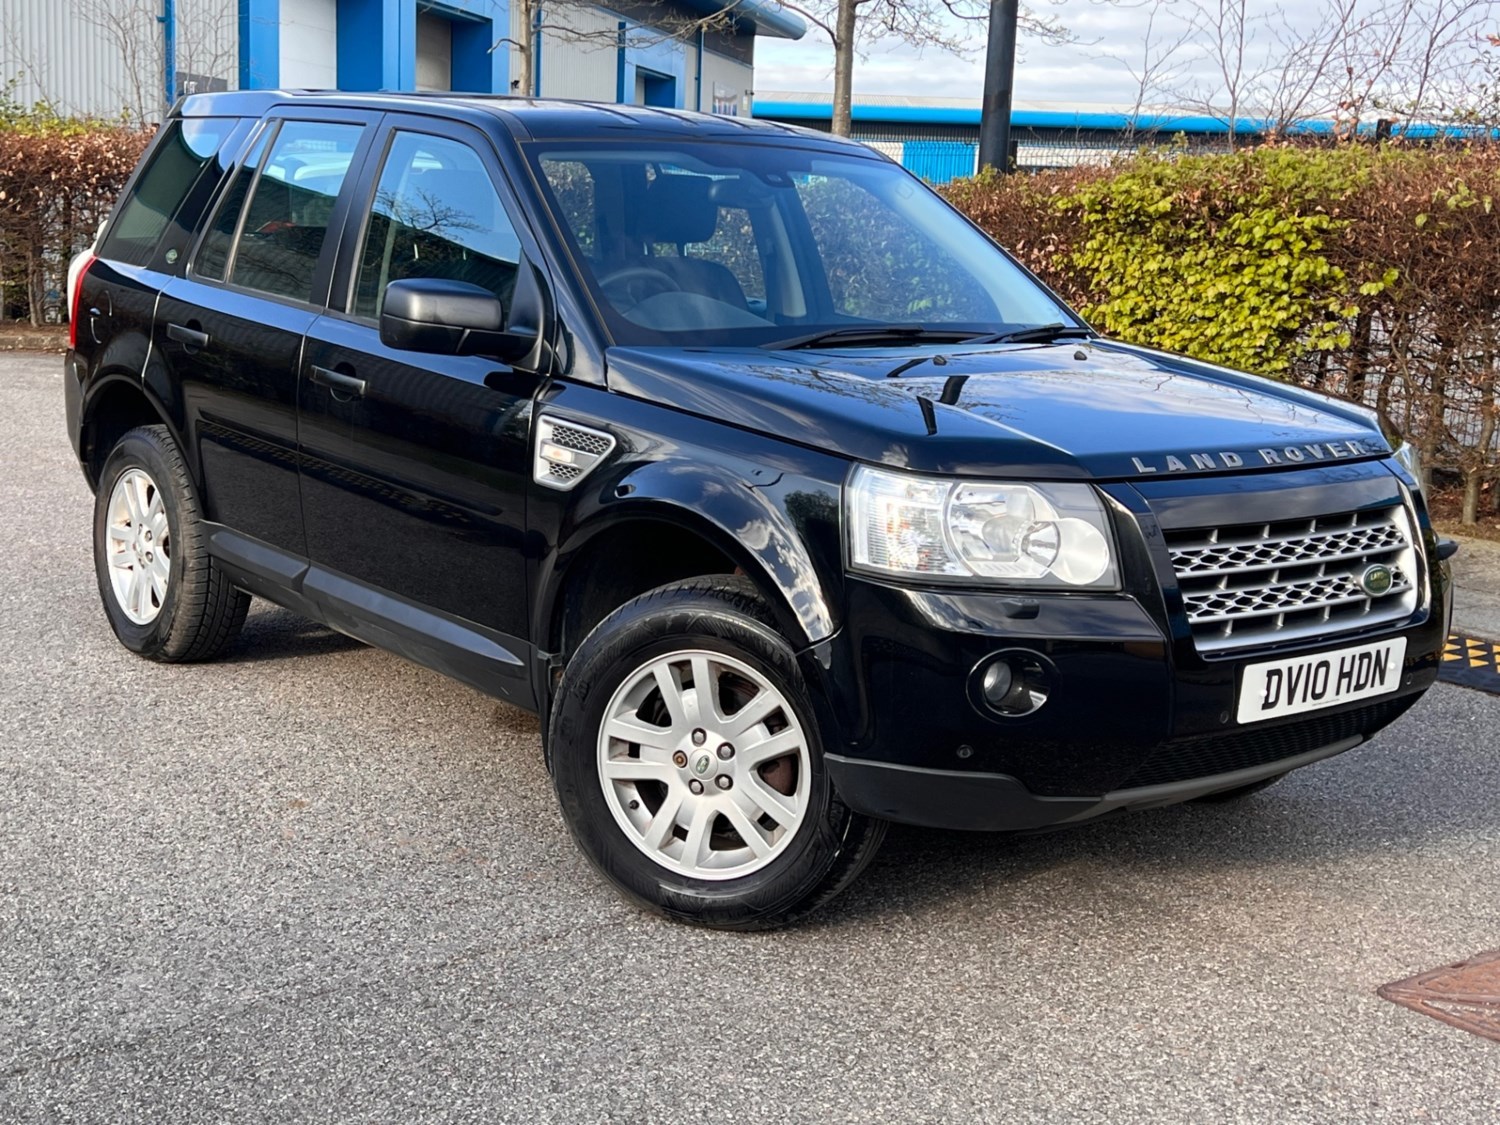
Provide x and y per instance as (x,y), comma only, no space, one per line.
(1230,459)
(789,502)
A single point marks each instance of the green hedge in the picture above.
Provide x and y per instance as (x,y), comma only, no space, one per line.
(1372,273)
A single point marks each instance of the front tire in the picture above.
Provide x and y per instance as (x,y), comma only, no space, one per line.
(689,766)
(165,597)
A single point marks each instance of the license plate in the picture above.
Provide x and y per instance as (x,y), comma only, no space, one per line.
(1278,688)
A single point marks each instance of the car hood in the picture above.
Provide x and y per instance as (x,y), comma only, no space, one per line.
(1091,410)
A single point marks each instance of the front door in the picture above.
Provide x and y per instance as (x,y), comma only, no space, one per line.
(414,467)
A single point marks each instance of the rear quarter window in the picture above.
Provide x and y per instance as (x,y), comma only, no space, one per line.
(182,170)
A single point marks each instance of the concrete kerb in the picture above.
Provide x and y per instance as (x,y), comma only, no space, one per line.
(1476,595)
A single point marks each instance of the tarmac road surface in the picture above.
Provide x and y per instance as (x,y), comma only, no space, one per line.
(311,882)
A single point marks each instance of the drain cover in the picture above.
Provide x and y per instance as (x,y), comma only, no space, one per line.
(1471,662)
(1467,995)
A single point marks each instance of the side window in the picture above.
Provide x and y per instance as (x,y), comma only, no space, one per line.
(286,220)
(213,254)
(436,214)
(180,159)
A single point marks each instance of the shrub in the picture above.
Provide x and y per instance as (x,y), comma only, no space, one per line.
(58,180)
(1369,272)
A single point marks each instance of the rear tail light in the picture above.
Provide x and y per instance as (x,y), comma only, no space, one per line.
(76,271)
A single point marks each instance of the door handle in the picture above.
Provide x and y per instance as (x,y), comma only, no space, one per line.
(190,338)
(336,381)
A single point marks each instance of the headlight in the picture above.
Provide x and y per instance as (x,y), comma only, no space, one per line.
(1013,534)
(1411,461)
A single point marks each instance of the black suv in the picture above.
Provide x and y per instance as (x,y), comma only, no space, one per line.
(791,503)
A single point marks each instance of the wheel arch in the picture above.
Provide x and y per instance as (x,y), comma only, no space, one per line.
(646,540)
(117,403)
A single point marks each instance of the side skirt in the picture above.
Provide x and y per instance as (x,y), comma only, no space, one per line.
(492,662)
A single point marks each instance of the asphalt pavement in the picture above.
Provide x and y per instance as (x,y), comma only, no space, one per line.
(311,882)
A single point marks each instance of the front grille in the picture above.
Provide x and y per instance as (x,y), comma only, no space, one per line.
(1248,585)
(1186,759)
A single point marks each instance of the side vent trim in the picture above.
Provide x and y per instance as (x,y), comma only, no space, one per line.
(567,452)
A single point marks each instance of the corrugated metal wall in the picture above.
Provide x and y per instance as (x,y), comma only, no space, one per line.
(104,57)
(579,66)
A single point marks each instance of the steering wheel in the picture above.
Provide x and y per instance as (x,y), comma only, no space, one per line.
(628,287)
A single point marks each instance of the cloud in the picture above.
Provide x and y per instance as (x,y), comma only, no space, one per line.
(1045,72)
(1108,37)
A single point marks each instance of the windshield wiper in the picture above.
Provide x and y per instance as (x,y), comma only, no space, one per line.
(1038,334)
(876,334)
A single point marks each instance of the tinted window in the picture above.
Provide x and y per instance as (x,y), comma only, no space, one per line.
(286,220)
(756,243)
(213,254)
(436,214)
(177,163)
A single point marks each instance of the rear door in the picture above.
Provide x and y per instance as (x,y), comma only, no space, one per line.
(144,243)
(232,327)
(414,467)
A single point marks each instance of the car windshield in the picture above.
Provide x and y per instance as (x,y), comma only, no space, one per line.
(758,244)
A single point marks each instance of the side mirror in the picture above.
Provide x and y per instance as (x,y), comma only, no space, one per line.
(443,317)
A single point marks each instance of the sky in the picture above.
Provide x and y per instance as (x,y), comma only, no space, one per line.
(1092,68)
(1080,71)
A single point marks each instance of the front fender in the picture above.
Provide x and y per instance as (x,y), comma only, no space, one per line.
(755,517)
(770,507)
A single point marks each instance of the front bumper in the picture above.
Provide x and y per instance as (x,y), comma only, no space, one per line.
(1137,717)
(990,802)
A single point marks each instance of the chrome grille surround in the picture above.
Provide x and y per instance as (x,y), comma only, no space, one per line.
(1250,585)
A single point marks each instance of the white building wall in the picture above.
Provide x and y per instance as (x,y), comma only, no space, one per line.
(434,52)
(726,77)
(309,44)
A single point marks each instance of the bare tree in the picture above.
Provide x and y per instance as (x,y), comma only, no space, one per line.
(947,25)
(1230,39)
(1406,59)
(1434,74)
(204,38)
(585,24)
(207,42)
(132,30)
(1158,64)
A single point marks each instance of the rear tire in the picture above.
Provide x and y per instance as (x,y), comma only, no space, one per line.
(165,597)
(742,828)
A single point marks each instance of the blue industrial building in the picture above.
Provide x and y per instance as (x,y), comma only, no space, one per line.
(684,54)
(938,138)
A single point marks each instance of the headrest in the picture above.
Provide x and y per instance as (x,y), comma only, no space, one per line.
(677,210)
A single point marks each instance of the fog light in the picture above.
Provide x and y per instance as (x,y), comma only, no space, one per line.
(1016,683)
(998,680)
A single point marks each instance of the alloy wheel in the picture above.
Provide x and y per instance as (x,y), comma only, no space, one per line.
(704,764)
(138,546)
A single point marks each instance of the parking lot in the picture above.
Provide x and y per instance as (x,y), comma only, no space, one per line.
(311,882)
